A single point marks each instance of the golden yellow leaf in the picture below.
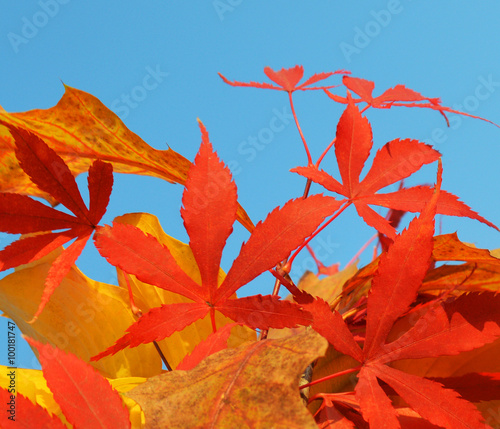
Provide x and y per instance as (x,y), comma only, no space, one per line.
(328,288)
(83,317)
(122,385)
(180,343)
(252,386)
(81,129)
(32,384)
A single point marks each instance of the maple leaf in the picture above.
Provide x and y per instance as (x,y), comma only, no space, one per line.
(448,247)
(395,161)
(473,386)
(210,202)
(21,214)
(442,330)
(231,388)
(77,317)
(215,342)
(26,414)
(448,328)
(397,96)
(81,129)
(74,382)
(468,277)
(179,344)
(287,79)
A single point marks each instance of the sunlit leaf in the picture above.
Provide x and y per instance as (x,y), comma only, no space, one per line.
(231,388)
(77,318)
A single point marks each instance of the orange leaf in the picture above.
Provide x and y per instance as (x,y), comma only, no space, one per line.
(462,324)
(397,96)
(398,278)
(176,346)
(60,267)
(449,248)
(376,407)
(470,277)
(81,129)
(208,188)
(231,388)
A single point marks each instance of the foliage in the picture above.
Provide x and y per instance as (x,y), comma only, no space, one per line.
(404,341)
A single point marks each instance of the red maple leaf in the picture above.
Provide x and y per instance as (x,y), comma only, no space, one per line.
(287,79)
(215,342)
(397,96)
(22,413)
(20,214)
(209,210)
(395,161)
(86,398)
(448,328)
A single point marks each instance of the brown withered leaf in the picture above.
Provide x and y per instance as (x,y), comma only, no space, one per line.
(254,385)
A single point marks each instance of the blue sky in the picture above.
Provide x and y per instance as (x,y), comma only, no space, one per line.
(155,64)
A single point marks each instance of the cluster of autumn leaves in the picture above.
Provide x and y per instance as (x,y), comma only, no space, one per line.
(399,334)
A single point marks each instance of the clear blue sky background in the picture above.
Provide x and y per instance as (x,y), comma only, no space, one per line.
(442,49)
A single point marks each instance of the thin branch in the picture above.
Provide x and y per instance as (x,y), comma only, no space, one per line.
(331,376)
(288,265)
(162,356)
(309,159)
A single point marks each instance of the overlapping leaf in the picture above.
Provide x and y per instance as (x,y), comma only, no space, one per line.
(180,343)
(21,214)
(468,277)
(232,388)
(26,414)
(73,382)
(31,384)
(288,79)
(395,161)
(209,212)
(464,324)
(215,342)
(74,318)
(448,247)
(80,129)
(397,96)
